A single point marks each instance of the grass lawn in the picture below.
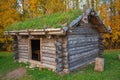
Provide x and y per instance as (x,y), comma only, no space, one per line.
(111,72)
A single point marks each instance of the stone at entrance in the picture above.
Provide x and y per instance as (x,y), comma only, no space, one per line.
(99,64)
(119,56)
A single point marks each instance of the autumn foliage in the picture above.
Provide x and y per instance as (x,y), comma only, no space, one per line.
(109,12)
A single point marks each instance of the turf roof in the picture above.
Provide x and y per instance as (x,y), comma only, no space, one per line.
(50,21)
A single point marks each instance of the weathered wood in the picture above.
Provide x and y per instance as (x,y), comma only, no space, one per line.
(60,56)
(81,51)
(80,65)
(82,40)
(29,49)
(83,47)
(49,59)
(59,70)
(49,51)
(48,48)
(58,60)
(94,51)
(41,54)
(23,45)
(49,55)
(45,40)
(15,48)
(99,64)
(81,44)
(49,66)
(26,54)
(82,37)
(82,60)
(83,56)
(23,60)
(23,57)
(49,62)
(84,30)
(60,65)
(48,44)
(23,51)
(25,48)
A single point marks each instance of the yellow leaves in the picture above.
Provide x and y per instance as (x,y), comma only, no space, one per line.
(8,15)
(107,22)
(33,7)
(112,20)
(103,11)
(54,6)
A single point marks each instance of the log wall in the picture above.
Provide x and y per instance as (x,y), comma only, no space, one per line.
(82,46)
(54,53)
(48,57)
(23,49)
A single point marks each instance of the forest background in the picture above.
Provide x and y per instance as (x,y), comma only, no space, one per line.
(12,11)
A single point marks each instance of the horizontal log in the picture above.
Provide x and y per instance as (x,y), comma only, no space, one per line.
(23,39)
(49,62)
(83,47)
(22,45)
(49,51)
(48,44)
(23,60)
(48,48)
(82,38)
(81,51)
(25,48)
(74,36)
(23,51)
(83,59)
(26,54)
(45,40)
(23,57)
(49,55)
(48,59)
(81,44)
(49,66)
(74,57)
(84,30)
(80,65)
(81,41)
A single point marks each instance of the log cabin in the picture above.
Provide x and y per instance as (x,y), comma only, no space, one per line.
(64,49)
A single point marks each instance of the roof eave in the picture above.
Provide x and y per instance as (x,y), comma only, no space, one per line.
(49,31)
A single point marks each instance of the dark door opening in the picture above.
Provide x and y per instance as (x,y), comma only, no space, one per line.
(35,46)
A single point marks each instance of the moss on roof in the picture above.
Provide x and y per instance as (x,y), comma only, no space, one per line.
(50,21)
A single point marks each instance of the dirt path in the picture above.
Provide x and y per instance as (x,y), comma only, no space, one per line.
(16,74)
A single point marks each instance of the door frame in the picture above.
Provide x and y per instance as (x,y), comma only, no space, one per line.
(30,48)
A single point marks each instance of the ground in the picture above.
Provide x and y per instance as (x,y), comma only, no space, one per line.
(10,70)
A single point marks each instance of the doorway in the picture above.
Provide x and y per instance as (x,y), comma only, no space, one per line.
(35,46)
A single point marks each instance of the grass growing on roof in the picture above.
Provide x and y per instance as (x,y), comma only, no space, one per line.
(49,21)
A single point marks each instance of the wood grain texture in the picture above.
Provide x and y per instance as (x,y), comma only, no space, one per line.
(82,46)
